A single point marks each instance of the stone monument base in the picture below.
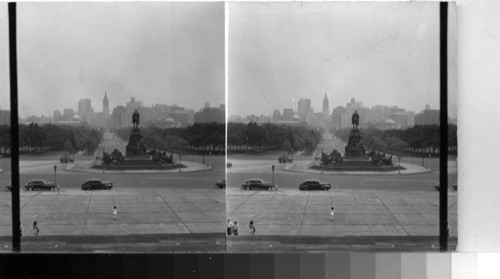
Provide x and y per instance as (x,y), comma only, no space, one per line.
(139,163)
(357,164)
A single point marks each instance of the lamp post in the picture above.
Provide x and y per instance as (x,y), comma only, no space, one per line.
(430,160)
(55,176)
(273,175)
(399,168)
(180,163)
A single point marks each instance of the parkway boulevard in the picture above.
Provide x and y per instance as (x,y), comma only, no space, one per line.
(388,205)
(157,210)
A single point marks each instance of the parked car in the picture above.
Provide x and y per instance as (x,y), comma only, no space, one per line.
(221,183)
(9,186)
(257,183)
(314,184)
(229,164)
(454,187)
(285,158)
(40,184)
(96,184)
(66,158)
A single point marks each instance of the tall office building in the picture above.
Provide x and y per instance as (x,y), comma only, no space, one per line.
(326,108)
(105,104)
(84,109)
(304,108)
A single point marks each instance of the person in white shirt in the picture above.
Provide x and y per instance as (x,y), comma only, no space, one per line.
(332,213)
(229,227)
(115,212)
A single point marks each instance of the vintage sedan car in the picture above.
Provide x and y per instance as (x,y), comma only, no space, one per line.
(221,183)
(285,158)
(67,158)
(314,184)
(454,187)
(96,184)
(40,184)
(257,183)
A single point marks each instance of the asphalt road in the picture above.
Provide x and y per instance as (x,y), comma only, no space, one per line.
(245,167)
(42,167)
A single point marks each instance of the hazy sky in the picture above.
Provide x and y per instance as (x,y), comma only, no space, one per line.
(378,53)
(170,53)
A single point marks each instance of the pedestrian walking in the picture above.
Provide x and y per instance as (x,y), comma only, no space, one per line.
(36,230)
(448,228)
(235,228)
(332,213)
(252,228)
(21,229)
(115,212)
(229,227)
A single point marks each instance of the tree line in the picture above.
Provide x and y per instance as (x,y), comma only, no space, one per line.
(422,139)
(256,138)
(199,137)
(34,138)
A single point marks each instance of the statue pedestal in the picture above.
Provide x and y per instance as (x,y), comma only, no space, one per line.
(135,146)
(137,158)
(354,148)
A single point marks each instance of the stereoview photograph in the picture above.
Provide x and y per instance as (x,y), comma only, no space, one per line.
(333,127)
(121,128)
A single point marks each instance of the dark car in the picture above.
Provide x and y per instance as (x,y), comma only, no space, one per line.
(9,186)
(40,184)
(314,184)
(285,158)
(96,184)
(454,187)
(66,158)
(229,164)
(221,183)
(257,183)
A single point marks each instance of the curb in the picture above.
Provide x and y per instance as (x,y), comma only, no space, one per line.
(394,173)
(68,169)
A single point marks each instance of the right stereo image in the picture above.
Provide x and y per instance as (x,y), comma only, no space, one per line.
(334,127)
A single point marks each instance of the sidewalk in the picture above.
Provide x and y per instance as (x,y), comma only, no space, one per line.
(90,213)
(144,243)
(297,244)
(289,212)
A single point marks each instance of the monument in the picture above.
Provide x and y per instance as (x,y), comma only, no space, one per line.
(135,146)
(137,156)
(355,158)
(354,148)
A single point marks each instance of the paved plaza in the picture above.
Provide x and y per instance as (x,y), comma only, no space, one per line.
(87,213)
(289,212)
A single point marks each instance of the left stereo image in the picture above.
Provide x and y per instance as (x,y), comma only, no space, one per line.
(121,127)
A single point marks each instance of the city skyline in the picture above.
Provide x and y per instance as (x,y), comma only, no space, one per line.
(73,51)
(377,52)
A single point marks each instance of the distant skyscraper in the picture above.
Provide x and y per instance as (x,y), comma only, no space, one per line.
(105,104)
(276,115)
(304,108)
(84,109)
(326,107)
